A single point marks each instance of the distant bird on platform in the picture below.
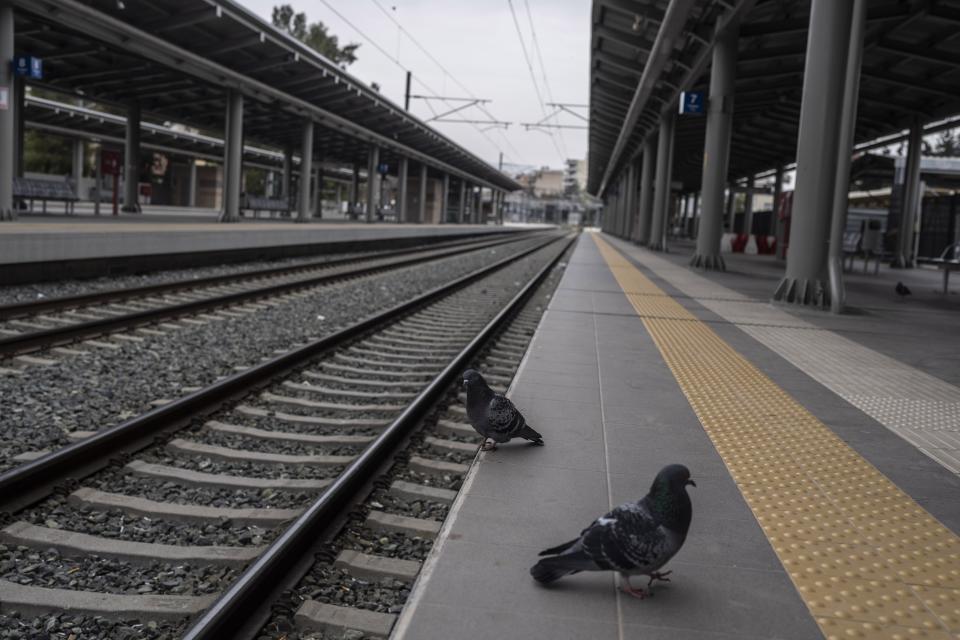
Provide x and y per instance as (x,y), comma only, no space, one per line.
(636,538)
(903,291)
(493,415)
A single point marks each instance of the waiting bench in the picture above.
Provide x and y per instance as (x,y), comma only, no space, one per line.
(261,203)
(31,189)
(948,261)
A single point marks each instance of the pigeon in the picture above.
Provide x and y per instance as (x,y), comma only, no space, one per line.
(902,290)
(494,416)
(636,538)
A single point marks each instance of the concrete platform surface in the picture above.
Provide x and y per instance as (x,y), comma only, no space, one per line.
(812,517)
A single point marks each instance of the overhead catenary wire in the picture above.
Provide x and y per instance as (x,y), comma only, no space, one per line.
(445,71)
(543,72)
(397,62)
(533,76)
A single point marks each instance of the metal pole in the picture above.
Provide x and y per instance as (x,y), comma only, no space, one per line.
(233,157)
(848,122)
(354,192)
(402,208)
(645,210)
(748,207)
(445,198)
(817,148)
(373,162)
(306,170)
(422,204)
(318,191)
(461,210)
(8,116)
(131,157)
(910,202)
(716,150)
(661,193)
(99,178)
(287,179)
(778,225)
(406,94)
(192,183)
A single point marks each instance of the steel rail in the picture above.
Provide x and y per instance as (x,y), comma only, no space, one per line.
(232,610)
(33,480)
(21,309)
(35,340)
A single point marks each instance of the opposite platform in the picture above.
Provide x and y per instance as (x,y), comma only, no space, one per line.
(627,374)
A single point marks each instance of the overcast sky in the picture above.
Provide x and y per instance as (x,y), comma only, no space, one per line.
(477,43)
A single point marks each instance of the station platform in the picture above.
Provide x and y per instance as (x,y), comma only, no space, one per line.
(828,496)
(88,247)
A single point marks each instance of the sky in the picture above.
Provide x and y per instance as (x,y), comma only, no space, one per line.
(478,44)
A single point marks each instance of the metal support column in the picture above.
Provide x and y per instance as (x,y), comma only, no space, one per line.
(661,192)
(191,182)
(910,203)
(131,160)
(716,150)
(373,163)
(402,171)
(445,198)
(422,202)
(630,223)
(462,205)
(645,208)
(779,227)
(817,148)
(748,206)
(306,171)
(233,158)
(287,180)
(354,192)
(848,123)
(318,190)
(8,117)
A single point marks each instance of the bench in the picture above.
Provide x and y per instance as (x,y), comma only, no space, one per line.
(262,203)
(948,261)
(31,189)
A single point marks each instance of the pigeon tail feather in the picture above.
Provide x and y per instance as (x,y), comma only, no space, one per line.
(552,569)
(552,551)
(528,433)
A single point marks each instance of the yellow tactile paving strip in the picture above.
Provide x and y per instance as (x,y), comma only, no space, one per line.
(867,560)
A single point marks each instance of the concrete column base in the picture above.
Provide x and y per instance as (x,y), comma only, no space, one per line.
(708,262)
(802,291)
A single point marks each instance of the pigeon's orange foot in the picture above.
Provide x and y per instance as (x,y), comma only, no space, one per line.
(629,589)
(656,575)
(489,445)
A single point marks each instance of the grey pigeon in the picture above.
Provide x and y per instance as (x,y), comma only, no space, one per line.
(902,290)
(493,415)
(636,538)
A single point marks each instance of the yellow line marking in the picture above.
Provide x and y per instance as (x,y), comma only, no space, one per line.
(867,560)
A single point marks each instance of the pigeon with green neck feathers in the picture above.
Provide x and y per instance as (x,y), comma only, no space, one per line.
(636,538)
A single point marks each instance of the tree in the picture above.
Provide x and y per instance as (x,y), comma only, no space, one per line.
(314,35)
(947,145)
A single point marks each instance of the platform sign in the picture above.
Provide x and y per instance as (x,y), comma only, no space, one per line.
(692,102)
(28,66)
(383,168)
(110,162)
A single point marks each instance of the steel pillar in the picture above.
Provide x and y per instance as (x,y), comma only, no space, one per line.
(373,162)
(232,157)
(817,149)
(848,123)
(285,182)
(779,228)
(716,150)
(8,116)
(98,176)
(422,203)
(402,171)
(748,206)
(318,190)
(445,198)
(462,205)
(661,191)
(306,171)
(632,180)
(905,258)
(645,208)
(191,182)
(354,192)
(131,160)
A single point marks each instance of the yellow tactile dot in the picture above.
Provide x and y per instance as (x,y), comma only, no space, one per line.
(868,561)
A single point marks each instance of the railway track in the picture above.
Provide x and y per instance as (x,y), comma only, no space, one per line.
(32,326)
(295,439)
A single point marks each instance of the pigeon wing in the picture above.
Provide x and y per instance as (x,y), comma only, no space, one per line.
(503,419)
(626,539)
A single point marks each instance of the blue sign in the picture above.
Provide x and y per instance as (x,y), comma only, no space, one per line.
(28,66)
(692,102)
(383,168)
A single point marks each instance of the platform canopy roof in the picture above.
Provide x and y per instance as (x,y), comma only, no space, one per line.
(910,70)
(178,58)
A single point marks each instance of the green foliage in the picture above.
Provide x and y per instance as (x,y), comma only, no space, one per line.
(314,35)
(947,144)
(44,153)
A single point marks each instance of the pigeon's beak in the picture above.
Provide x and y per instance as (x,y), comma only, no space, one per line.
(691,482)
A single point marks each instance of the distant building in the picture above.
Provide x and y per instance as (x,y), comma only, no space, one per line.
(575,176)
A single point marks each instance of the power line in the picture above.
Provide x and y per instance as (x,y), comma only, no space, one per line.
(543,70)
(397,61)
(533,76)
(446,72)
